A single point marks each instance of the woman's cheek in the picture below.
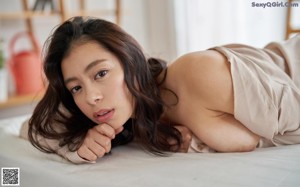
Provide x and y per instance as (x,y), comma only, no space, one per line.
(81,106)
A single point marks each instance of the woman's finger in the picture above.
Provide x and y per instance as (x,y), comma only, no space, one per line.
(106,130)
(85,153)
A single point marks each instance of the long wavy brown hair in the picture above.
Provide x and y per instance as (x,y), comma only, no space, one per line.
(57,109)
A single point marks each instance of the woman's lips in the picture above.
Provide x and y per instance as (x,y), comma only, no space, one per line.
(103,116)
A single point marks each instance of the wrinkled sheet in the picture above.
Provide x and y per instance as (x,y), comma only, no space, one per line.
(266,86)
(132,167)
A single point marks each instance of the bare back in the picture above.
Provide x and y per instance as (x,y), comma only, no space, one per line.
(205,102)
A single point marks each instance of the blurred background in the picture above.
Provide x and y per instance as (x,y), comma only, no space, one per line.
(164,28)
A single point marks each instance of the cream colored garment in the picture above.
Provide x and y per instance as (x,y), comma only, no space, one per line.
(197,146)
(54,145)
(266,86)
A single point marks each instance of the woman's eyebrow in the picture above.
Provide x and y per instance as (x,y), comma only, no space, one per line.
(86,69)
(92,64)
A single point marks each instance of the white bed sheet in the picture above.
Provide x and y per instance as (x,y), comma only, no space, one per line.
(130,166)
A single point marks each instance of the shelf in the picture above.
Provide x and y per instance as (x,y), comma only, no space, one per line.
(18,100)
(27,15)
(64,14)
(32,14)
(90,12)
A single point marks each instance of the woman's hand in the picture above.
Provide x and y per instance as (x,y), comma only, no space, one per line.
(186,135)
(97,142)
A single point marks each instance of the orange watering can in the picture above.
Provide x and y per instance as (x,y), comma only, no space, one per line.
(26,66)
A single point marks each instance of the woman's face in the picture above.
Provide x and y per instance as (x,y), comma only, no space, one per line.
(95,78)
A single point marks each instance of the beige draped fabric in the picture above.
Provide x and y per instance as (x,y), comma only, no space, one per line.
(267,89)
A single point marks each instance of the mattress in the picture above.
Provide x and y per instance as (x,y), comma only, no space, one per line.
(131,166)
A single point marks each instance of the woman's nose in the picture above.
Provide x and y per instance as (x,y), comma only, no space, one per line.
(93,96)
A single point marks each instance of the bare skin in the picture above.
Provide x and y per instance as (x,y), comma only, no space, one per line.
(203,85)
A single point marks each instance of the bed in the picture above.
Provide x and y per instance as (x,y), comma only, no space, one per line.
(130,166)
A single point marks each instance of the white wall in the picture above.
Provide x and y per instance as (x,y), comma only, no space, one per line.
(162,29)
(203,24)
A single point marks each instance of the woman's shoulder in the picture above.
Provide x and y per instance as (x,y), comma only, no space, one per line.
(205,74)
(198,65)
(203,60)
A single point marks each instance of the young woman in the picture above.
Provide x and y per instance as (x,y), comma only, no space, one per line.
(103,92)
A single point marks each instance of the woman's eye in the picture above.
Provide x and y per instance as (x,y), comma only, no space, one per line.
(75,89)
(101,74)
